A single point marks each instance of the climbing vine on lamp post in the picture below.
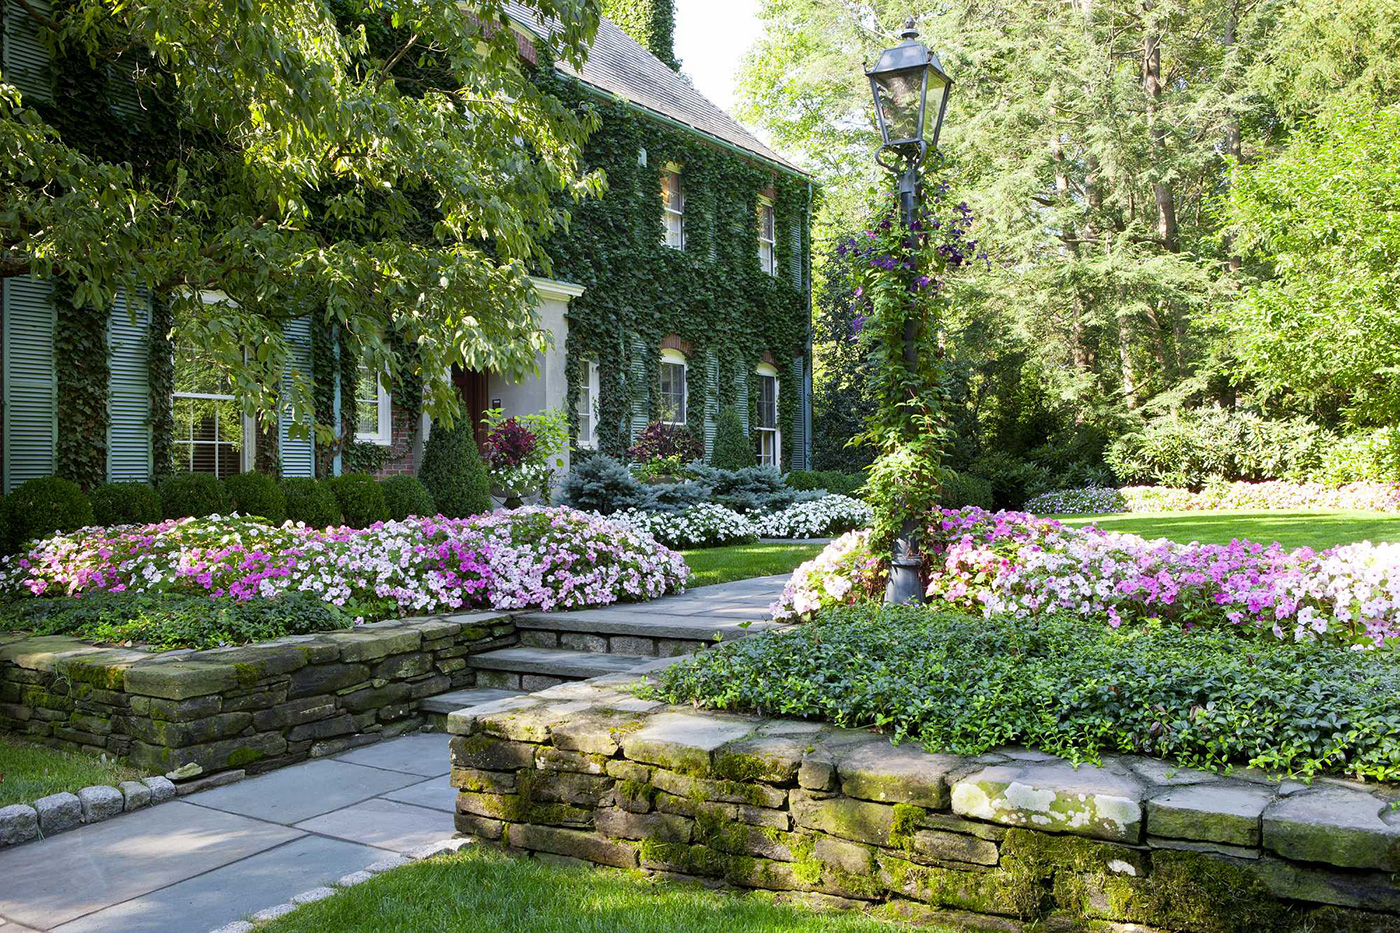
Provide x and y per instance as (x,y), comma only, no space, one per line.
(900,274)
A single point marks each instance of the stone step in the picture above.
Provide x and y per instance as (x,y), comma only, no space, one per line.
(537,668)
(639,624)
(445,703)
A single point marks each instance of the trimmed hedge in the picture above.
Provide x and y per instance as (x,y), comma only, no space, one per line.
(192,495)
(405,496)
(310,502)
(255,493)
(360,498)
(40,507)
(1063,685)
(453,472)
(833,481)
(964,489)
(125,504)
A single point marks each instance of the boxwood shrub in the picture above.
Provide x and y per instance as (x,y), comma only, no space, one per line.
(255,493)
(405,496)
(360,498)
(963,489)
(125,504)
(311,502)
(192,495)
(833,481)
(40,507)
(967,684)
(171,620)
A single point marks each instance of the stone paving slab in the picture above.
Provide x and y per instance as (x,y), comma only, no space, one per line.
(424,754)
(47,883)
(555,661)
(435,793)
(303,791)
(219,897)
(386,824)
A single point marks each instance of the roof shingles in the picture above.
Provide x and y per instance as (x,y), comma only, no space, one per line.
(619,65)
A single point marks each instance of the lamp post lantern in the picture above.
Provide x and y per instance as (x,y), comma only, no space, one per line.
(900,82)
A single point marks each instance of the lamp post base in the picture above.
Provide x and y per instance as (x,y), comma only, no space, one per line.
(904,588)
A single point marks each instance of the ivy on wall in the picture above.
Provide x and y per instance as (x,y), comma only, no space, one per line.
(80,361)
(335,361)
(651,22)
(161,373)
(712,294)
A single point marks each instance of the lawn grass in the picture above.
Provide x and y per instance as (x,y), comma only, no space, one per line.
(744,561)
(1292,529)
(28,772)
(479,889)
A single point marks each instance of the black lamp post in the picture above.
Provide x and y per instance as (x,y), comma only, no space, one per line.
(900,83)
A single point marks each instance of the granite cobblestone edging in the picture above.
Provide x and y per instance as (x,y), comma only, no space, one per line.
(1013,840)
(206,717)
(21,822)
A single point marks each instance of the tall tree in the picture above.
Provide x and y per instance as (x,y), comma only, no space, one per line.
(389,168)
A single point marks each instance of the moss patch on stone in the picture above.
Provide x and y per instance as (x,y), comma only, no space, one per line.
(904,825)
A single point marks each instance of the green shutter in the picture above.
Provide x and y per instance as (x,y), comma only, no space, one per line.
(711,401)
(641,397)
(30,383)
(129,391)
(27,62)
(798,444)
(741,395)
(297,453)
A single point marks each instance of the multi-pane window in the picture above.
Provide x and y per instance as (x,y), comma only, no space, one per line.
(769,435)
(373,414)
(208,431)
(767,242)
(588,407)
(672,395)
(673,208)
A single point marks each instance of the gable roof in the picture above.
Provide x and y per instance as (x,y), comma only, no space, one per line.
(619,65)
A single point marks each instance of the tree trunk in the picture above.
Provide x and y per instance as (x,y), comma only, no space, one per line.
(1152,84)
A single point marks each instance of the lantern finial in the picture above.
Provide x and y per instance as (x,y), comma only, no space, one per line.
(909,31)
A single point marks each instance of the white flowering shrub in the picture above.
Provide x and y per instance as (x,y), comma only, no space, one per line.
(704,525)
(818,518)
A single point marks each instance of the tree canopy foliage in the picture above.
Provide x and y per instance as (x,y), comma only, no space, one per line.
(387,167)
(1135,268)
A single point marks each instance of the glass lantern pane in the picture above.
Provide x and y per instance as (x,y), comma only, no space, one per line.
(900,96)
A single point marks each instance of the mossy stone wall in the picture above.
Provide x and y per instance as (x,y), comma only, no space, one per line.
(1011,841)
(254,708)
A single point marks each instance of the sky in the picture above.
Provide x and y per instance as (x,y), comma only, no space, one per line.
(711,38)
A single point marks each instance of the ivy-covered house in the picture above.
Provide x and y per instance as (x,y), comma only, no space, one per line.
(683,289)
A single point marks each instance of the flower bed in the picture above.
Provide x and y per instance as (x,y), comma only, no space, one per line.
(546,557)
(1014,563)
(1272,494)
(816,518)
(700,526)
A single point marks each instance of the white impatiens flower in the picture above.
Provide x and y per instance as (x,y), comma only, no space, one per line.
(704,525)
(819,518)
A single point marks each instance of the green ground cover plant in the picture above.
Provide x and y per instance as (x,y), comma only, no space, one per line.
(28,772)
(1302,528)
(966,684)
(479,889)
(169,620)
(745,561)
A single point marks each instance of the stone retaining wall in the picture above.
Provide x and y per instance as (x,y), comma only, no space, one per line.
(1015,841)
(253,708)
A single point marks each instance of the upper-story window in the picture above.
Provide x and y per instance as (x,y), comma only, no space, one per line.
(767,241)
(673,206)
(588,407)
(770,436)
(673,388)
(373,409)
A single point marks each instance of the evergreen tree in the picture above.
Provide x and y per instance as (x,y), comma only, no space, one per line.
(732,450)
(453,472)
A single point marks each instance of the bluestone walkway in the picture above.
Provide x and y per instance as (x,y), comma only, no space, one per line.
(202,861)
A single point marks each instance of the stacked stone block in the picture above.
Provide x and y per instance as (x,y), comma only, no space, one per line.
(1014,840)
(191,713)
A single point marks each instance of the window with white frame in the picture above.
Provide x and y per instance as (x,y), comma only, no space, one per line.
(209,431)
(672,395)
(767,242)
(770,436)
(373,409)
(588,407)
(673,207)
